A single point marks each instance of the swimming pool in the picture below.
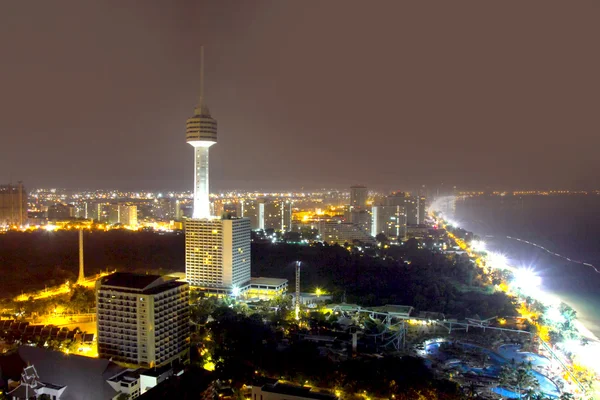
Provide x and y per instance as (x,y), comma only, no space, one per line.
(497,360)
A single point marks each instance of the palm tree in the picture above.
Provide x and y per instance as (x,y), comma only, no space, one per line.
(524,379)
(507,374)
(531,394)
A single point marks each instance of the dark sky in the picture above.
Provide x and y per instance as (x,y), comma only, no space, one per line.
(307,93)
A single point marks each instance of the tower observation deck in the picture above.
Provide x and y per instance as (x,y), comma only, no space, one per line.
(201,133)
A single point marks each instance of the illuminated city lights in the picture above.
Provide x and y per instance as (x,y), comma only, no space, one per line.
(478,245)
(497,260)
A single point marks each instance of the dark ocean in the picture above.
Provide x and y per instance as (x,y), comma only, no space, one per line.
(567,225)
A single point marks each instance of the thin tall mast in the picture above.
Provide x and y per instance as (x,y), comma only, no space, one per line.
(200,100)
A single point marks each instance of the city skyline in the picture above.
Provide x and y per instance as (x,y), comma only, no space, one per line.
(402,101)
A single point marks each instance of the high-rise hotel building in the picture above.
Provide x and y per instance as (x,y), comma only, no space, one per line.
(217,250)
(142,319)
(217,254)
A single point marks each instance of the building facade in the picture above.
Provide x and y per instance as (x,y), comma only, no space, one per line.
(13,205)
(217,253)
(275,214)
(127,214)
(142,319)
(358,197)
(249,208)
(359,217)
(60,212)
(389,220)
(266,288)
(344,232)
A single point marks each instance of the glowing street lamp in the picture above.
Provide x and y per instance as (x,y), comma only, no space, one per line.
(235,291)
(526,279)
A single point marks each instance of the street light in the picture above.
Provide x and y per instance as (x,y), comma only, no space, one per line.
(526,278)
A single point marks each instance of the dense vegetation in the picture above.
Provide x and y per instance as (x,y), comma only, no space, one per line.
(31,260)
(408,275)
(242,346)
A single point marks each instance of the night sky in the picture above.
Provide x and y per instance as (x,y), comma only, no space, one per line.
(391,94)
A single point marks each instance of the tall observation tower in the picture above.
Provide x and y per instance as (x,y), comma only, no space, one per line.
(217,251)
(201,133)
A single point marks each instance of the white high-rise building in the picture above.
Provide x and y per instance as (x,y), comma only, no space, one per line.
(217,254)
(217,251)
(142,319)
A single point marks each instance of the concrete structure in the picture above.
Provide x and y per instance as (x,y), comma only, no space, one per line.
(166,209)
(127,383)
(31,387)
(142,319)
(152,377)
(343,232)
(266,288)
(68,377)
(359,217)
(61,212)
(280,391)
(127,214)
(217,250)
(201,133)
(389,220)
(358,197)
(249,208)
(312,299)
(411,206)
(417,231)
(110,213)
(217,254)
(421,209)
(275,214)
(13,205)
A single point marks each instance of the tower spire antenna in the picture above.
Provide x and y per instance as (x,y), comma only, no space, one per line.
(201,99)
(201,133)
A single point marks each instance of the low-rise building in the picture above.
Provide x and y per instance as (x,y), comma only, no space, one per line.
(62,376)
(266,288)
(281,391)
(312,299)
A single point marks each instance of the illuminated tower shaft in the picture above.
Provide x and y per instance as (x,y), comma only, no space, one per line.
(201,189)
(201,132)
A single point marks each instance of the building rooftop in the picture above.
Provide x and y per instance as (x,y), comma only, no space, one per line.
(156,372)
(130,280)
(145,284)
(267,281)
(298,391)
(85,378)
